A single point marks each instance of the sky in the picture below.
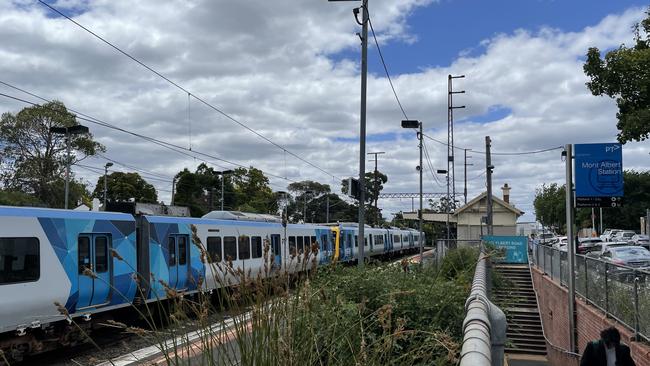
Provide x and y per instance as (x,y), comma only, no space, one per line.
(292,75)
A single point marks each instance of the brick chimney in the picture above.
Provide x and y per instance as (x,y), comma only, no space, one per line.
(506,193)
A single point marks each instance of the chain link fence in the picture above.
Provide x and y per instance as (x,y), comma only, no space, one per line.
(622,292)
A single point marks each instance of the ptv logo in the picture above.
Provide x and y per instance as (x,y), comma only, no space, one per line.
(611,148)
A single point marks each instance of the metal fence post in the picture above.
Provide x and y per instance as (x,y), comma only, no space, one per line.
(606,288)
(586,281)
(560,268)
(636,307)
(552,265)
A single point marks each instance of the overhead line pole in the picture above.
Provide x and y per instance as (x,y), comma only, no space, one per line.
(451,168)
(362,131)
(376,184)
(488,168)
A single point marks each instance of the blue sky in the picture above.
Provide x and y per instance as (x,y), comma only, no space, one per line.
(468,22)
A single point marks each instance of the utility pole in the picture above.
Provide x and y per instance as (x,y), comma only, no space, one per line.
(173,189)
(421,237)
(465,175)
(67,132)
(451,169)
(488,168)
(327,211)
(376,185)
(362,124)
(570,244)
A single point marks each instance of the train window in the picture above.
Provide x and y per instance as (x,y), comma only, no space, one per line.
(306,244)
(292,245)
(396,239)
(312,242)
(182,250)
(244,247)
(323,241)
(300,247)
(83,248)
(405,238)
(230,248)
(19,260)
(356,241)
(101,254)
(214,249)
(256,244)
(370,238)
(171,249)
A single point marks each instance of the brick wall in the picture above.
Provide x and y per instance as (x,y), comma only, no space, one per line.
(553,308)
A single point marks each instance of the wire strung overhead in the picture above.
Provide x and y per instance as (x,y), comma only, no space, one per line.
(189,93)
(498,153)
(173,147)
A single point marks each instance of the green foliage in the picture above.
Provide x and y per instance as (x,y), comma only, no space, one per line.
(550,205)
(374,186)
(34,159)
(244,190)
(122,187)
(15,198)
(623,75)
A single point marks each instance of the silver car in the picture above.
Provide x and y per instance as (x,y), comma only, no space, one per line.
(629,256)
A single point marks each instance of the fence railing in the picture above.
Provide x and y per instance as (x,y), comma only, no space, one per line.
(622,292)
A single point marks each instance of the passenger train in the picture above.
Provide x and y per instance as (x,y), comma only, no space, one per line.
(89,262)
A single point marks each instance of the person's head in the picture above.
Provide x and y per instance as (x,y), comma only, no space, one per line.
(611,337)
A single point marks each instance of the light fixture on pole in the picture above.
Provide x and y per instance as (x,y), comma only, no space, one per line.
(108,165)
(67,131)
(417,124)
(362,122)
(223,178)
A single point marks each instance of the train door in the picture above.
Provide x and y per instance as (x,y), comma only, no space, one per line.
(179,266)
(276,247)
(94,286)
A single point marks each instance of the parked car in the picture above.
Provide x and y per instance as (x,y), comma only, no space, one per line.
(623,235)
(612,244)
(546,238)
(642,240)
(608,234)
(586,245)
(628,255)
(561,243)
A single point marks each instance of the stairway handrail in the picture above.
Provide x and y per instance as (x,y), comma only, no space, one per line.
(476,347)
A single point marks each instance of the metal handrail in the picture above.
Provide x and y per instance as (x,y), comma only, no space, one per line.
(484,326)
(476,349)
(590,297)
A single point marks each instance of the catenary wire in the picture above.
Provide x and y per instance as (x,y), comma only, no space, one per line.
(189,93)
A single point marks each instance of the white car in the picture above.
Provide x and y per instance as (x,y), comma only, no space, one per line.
(561,243)
(642,240)
(609,234)
(623,235)
(612,244)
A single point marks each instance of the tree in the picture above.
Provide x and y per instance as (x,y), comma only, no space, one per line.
(550,205)
(34,159)
(122,187)
(253,192)
(623,74)
(373,190)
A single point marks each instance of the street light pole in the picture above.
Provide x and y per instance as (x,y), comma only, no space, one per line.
(418,125)
(108,165)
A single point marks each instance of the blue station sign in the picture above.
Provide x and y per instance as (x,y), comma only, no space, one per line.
(599,175)
(510,249)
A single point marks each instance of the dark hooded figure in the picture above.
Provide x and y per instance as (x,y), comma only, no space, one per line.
(608,351)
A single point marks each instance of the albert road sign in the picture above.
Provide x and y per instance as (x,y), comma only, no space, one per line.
(599,175)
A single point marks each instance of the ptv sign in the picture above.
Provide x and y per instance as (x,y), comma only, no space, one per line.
(599,175)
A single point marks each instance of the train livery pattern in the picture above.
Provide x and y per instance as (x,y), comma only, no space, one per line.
(94,262)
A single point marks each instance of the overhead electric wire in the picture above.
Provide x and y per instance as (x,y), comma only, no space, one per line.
(497,153)
(383,62)
(168,145)
(189,93)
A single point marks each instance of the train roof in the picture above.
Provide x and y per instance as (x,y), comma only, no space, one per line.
(242,216)
(56,213)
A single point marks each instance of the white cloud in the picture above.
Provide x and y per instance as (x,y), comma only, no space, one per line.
(270,64)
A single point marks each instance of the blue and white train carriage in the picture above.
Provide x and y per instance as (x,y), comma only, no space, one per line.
(92,263)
